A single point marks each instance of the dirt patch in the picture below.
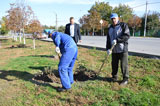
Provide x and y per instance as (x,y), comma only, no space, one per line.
(18,46)
(49,75)
(83,74)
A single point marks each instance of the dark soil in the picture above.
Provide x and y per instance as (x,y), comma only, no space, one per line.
(84,75)
(48,77)
(18,46)
(81,74)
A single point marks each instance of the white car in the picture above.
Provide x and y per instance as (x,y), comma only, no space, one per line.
(44,35)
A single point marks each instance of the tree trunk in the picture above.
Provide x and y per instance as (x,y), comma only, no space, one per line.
(34,43)
(16,35)
(24,39)
(84,32)
(93,32)
(103,32)
(87,33)
(12,34)
(133,32)
(20,37)
(15,39)
(0,44)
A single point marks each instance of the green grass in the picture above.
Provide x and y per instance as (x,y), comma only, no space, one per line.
(19,65)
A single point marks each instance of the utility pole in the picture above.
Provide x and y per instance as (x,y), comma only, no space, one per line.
(145,20)
(56,21)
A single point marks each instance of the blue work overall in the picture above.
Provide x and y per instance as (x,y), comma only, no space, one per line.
(69,53)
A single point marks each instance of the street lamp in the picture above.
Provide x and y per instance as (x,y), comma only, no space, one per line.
(101,22)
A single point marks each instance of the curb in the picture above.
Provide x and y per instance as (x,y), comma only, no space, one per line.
(131,53)
(145,55)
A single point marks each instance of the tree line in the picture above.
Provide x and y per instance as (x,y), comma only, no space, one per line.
(20,19)
(90,23)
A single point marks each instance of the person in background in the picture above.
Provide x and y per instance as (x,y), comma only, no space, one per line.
(73,30)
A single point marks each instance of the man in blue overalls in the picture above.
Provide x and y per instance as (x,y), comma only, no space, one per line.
(68,48)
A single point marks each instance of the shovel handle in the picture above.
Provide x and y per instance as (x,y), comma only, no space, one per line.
(59,56)
(105,60)
(112,47)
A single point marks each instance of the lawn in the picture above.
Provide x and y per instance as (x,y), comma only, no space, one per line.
(19,65)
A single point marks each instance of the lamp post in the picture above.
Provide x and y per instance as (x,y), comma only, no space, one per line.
(101,22)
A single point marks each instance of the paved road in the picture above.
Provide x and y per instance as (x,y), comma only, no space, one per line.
(149,46)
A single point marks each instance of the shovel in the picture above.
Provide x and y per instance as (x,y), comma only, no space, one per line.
(59,56)
(106,58)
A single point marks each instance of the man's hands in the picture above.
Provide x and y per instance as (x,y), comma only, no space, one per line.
(57,50)
(109,52)
(114,42)
(80,41)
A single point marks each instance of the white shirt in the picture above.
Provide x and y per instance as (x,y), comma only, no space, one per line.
(72,30)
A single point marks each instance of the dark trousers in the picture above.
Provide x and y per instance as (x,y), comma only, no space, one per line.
(75,40)
(123,59)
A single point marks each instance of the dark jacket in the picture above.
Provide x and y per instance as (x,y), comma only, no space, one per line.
(77,34)
(121,33)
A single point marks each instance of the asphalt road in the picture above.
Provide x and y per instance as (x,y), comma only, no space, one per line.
(149,46)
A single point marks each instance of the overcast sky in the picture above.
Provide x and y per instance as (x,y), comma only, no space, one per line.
(45,10)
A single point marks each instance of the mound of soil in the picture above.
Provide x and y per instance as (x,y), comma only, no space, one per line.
(81,74)
(84,75)
(18,46)
(48,77)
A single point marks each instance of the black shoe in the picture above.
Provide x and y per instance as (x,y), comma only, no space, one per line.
(124,82)
(114,79)
(62,90)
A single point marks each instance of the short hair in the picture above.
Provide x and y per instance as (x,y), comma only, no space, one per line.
(71,18)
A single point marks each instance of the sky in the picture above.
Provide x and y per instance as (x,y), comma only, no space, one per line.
(45,10)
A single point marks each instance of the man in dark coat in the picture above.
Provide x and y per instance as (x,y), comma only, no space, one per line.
(73,30)
(118,35)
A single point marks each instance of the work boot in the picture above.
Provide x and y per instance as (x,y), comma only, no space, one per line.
(124,82)
(114,79)
(62,90)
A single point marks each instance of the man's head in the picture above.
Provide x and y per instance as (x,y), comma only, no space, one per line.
(50,33)
(72,20)
(114,17)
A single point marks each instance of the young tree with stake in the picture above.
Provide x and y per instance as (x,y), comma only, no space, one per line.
(35,28)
